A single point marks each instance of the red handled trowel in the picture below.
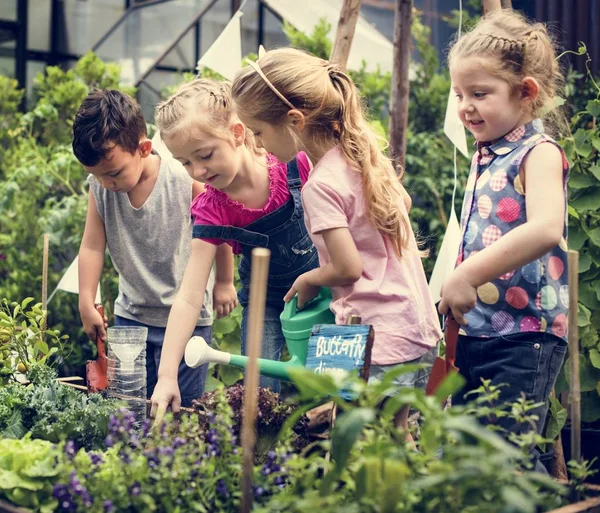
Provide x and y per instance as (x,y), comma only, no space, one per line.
(96,370)
(444,366)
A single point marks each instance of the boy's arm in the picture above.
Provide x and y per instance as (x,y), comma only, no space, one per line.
(181,324)
(91,262)
(224,293)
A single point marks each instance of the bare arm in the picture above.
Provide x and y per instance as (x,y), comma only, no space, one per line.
(91,262)
(543,230)
(186,308)
(344,268)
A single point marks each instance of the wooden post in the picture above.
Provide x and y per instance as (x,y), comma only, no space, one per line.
(400,79)
(45,285)
(256,319)
(574,385)
(345,33)
(491,5)
(506,4)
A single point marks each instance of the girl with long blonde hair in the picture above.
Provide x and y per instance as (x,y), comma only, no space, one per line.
(356,209)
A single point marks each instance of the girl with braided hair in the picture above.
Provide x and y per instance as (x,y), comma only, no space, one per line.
(509,288)
(356,209)
(252,199)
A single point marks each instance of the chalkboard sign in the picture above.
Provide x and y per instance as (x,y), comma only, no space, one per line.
(333,347)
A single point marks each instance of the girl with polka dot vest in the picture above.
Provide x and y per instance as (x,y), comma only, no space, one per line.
(509,289)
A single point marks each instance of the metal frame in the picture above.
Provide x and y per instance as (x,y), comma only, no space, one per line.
(21,47)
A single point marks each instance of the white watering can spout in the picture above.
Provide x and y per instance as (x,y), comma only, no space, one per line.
(197,352)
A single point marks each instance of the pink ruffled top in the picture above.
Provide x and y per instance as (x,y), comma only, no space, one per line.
(215,208)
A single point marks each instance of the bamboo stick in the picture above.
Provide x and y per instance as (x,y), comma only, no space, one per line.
(574,385)
(400,80)
(345,33)
(256,318)
(45,285)
(491,5)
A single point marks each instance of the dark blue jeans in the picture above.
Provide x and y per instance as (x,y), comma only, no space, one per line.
(272,345)
(528,363)
(191,381)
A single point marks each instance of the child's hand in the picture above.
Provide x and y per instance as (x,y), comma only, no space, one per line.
(224,298)
(93,323)
(166,392)
(304,289)
(459,296)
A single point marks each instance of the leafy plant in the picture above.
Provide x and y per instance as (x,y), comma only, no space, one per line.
(51,411)
(458,467)
(272,414)
(583,151)
(24,339)
(28,470)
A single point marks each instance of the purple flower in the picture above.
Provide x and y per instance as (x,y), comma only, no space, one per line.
(108,506)
(96,458)
(146,428)
(109,442)
(259,491)
(60,491)
(222,488)
(178,442)
(136,489)
(165,451)
(279,481)
(70,449)
(272,455)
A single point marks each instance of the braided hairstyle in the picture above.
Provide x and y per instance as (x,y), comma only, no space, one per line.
(511,47)
(202,106)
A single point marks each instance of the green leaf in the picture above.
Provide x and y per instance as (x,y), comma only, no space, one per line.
(596,143)
(593,107)
(452,383)
(585,262)
(582,143)
(14,426)
(348,428)
(577,237)
(572,212)
(587,295)
(595,358)
(583,316)
(595,170)
(311,385)
(556,419)
(588,375)
(581,181)
(588,200)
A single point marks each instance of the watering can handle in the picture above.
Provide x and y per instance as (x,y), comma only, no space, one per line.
(99,342)
(291,307)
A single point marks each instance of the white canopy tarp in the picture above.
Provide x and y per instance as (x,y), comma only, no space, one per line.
(368,43)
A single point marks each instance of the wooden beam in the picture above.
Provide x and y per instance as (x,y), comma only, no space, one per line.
(345,33)
(400,79)
(491,5)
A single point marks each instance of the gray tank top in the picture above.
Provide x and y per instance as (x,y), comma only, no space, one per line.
(149,246)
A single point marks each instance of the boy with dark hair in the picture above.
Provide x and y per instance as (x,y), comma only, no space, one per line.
(138,206)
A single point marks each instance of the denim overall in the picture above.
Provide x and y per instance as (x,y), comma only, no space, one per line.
(292,253)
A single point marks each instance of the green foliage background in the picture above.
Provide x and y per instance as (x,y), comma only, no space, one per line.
(42,188)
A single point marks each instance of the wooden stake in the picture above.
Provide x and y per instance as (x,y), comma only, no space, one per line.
(491,5)
(345,33)
(574,385)
(256,318)
(45,283)
(400,80)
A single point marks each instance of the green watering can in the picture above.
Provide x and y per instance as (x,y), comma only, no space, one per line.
(296,326)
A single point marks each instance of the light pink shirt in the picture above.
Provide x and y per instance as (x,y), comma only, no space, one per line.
(392,293)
